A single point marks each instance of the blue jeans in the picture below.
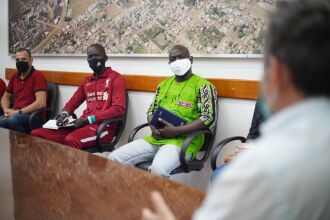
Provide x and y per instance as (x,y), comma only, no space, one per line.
(218,172)
(19,122)
(164,158)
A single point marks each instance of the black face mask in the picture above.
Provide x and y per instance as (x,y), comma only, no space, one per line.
(97,65)
(22,66)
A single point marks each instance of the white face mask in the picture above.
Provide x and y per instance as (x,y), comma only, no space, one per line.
(180,67)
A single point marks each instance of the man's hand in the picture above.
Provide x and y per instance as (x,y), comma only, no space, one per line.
(62,119)
(80,122)
(8,112)
(13,113)
(162,211)
(244,146)
(228,158)
(169,130)
(239,148)
(155,132)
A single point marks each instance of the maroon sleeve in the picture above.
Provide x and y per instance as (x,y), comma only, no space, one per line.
(2,87)
(10,87)
(39,82)
(77,99)
(118,105)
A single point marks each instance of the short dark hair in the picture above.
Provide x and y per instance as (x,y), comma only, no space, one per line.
(99,47)
(299,36)
(182,48)
(26,50)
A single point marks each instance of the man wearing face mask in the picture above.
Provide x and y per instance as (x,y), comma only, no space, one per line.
(28,87)
(188,96)
(104,92)
(286,176)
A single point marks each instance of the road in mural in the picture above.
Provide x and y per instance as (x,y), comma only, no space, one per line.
(138,26)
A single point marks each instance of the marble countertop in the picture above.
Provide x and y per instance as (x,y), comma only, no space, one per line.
(40,179)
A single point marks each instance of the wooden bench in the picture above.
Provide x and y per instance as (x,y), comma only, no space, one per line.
(227,88)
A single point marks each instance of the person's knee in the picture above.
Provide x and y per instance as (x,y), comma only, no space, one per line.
(133,153)
(159,170)
(18,124)
(120,155)
(116,156)
(71,141)
(37,133)
(3,122)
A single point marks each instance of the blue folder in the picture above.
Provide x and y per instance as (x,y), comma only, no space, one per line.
(168,116)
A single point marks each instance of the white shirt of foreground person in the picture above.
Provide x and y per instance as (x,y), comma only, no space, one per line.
(287,175)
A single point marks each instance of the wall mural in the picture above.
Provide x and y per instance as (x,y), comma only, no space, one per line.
(125,27)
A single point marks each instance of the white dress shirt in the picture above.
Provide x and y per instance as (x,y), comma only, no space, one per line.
(287,175)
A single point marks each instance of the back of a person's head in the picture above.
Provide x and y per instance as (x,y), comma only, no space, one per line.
(299,36)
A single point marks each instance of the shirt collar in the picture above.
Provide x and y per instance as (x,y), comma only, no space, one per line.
(290,115)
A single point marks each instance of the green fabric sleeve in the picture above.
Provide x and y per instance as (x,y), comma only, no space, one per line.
(207,105)
(155,102)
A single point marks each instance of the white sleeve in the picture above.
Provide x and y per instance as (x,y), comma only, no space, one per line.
(242,191)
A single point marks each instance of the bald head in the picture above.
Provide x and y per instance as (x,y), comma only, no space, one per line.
(98,48)
(178,52)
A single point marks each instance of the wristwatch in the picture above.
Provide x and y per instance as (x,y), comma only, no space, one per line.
(20,111)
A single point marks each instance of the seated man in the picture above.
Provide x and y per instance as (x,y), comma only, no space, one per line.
(28,87)
(188,96)
(105,94)
(259,116)
(286,176)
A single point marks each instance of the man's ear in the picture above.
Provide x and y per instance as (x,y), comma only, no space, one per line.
(105,58)
(191,58)
(280,74)
(275,71)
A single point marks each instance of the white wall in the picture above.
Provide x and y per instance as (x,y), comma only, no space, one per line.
(234,114)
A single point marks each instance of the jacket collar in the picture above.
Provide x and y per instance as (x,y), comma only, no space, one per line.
(103,75)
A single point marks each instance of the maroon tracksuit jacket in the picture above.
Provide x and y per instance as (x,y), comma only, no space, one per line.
(105,96)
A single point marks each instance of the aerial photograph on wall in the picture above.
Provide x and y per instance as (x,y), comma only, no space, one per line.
(123,27)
